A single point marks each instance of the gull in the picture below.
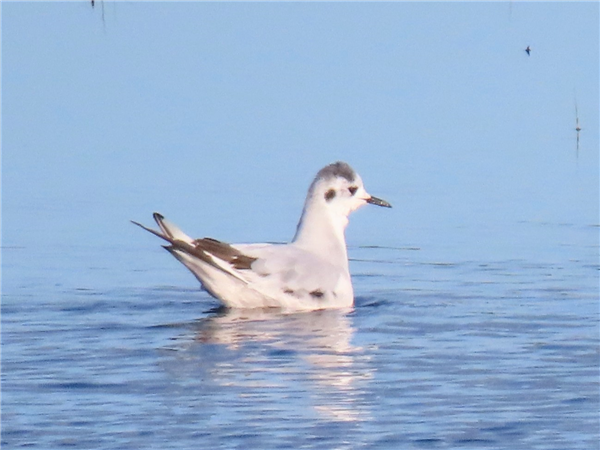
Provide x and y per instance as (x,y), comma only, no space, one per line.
(311,272)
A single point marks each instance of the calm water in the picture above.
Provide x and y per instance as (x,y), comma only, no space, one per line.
(99,353)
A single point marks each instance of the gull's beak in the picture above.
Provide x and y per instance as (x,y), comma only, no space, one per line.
(379,202)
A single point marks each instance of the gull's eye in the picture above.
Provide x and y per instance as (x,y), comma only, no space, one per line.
(353,189)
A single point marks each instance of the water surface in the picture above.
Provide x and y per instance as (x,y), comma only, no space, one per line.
(435,354)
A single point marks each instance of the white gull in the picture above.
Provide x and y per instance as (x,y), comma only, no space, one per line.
(309,273)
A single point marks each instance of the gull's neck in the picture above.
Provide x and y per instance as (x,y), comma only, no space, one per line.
(321,232)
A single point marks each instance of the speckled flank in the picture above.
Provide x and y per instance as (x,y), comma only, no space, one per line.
(317,293)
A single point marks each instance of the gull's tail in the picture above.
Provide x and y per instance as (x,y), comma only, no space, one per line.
(170,231)
(188,251)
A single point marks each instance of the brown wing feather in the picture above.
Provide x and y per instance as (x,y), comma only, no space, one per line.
(203,249)
(225,252)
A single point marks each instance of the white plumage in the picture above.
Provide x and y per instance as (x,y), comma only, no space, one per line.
(309,273)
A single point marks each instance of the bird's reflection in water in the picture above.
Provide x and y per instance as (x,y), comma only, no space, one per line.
(267,356)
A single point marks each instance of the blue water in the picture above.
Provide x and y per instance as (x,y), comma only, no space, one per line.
(114,347)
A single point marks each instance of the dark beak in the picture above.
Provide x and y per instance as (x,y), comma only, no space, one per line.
(378,202)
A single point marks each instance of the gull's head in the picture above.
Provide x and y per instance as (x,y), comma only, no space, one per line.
(336,191)
(340,190)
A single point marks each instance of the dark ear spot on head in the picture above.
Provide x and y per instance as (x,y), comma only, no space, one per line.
(353,189)
(329,194)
